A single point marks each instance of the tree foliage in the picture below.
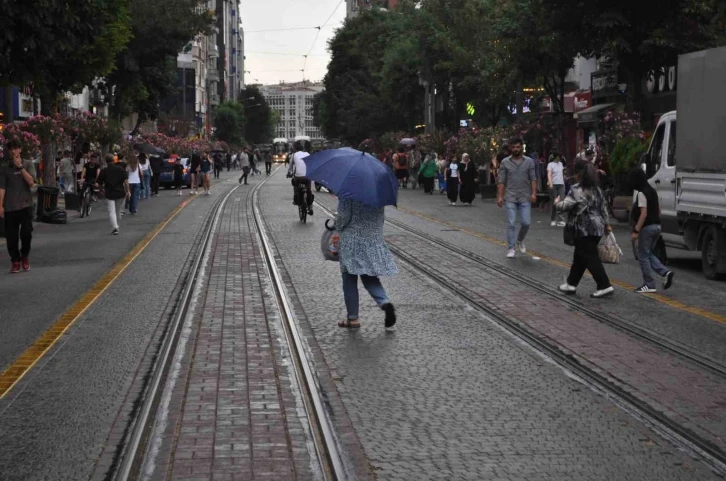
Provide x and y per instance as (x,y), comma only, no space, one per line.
(259,126)
(229,122)
(146,71)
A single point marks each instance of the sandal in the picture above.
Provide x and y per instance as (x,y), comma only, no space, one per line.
(350,324)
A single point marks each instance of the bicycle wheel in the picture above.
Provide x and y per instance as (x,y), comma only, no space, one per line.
(84,204)
(303,212)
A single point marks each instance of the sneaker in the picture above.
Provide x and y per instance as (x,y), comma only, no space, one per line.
(668,281)
(553,224)
(26,264)
(191,192)
(603,293)
(114,232)
(567,289)
(123,212)
(453,203)
(15,268)
(390,314)
(561,224)
(207,193)
(521,247)
(645,290)
(511,254)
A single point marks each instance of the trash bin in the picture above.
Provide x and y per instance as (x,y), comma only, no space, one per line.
(47,200)
(73,201)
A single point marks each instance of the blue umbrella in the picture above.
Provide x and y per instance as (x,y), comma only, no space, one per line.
(352,174)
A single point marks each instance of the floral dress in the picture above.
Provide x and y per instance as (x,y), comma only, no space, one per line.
(362,248)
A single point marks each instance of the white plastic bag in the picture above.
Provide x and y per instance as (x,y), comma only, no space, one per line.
(609,250)
(329,243)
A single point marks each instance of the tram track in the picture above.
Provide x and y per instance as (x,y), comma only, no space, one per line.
(132,453)
(677,433)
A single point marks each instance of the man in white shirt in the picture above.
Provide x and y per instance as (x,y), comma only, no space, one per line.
(298,170)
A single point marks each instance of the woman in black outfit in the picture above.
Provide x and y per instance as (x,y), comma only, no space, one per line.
(453,180)
(468,174)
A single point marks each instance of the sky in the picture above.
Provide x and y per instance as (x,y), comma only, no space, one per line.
(274,56)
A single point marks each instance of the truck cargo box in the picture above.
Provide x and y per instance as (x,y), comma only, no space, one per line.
(701,143)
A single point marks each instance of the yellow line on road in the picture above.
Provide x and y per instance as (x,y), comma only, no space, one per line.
(10,377)
(624,285)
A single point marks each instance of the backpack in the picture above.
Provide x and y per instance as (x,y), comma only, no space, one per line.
(402,161)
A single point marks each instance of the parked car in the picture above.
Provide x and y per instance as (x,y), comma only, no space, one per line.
(166,179)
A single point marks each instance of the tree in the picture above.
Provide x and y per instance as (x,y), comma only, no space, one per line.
(146,71)
(228,123)
(259,126)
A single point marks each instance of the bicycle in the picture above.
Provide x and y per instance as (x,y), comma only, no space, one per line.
(87,200)
(302,201)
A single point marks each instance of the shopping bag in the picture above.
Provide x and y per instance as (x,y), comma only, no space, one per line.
(609,250)
(330,242)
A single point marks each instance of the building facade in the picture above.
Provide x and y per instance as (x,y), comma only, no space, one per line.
(294,102)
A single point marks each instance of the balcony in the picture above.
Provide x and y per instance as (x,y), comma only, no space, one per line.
(214,100)
(212,75)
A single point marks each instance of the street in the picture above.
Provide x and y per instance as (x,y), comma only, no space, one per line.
(489,373)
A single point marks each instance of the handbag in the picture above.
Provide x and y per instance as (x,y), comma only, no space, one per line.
(570,231)
(330,242)
(609,250)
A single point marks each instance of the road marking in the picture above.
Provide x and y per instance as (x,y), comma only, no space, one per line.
(624,285)
(10,377)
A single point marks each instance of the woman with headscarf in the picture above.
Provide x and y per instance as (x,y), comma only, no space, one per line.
(469,177)
(588,218)
(645,219)
(453,180)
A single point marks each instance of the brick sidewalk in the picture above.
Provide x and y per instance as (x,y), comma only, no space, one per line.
(684,392)
(236,412)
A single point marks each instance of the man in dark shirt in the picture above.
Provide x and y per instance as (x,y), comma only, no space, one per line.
(16,199)
(156,164)
(115,181)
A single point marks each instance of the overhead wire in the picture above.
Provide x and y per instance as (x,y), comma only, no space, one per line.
(317,35)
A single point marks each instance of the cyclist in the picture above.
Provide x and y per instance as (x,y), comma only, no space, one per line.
(90,174)
(298,169)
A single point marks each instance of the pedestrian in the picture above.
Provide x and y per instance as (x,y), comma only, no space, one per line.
(517,187)
(156,163)
(268,163)
(400,164)
(17,179)
(228,161)
(442,165)
(244,162)
(194,172)
(145,167)
(115,181)
(178,175)
(135,176)
(453,181)
(257,161)
(469,176)
(556,183)
(363,253)
(67,172)
(588,216)
(205,171)
(217,165)
(414,163)
(645,217)
(428,171)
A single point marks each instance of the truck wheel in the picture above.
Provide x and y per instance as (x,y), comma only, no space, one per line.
(711,252)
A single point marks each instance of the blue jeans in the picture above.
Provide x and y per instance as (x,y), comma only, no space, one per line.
(134,202)
(350,292)
(647,240)
(525,219)
(146,184)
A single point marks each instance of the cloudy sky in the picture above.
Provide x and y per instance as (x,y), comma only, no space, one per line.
(278,33)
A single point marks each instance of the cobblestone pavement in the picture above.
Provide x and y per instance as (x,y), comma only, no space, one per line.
(448,394)
(236,411)
(481,229)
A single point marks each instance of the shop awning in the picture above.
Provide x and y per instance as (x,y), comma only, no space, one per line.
(591,115)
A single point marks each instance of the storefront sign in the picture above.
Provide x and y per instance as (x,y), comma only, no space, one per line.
(604,84)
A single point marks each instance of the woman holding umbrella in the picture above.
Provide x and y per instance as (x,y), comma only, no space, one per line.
(364,186)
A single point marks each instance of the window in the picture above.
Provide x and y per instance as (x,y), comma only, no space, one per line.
(672,145)
(656,154)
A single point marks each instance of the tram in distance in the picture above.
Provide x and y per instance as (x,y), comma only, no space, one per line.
(280,149)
